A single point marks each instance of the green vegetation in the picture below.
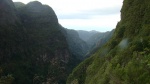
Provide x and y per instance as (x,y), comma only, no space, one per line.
(6,79)
(125,59)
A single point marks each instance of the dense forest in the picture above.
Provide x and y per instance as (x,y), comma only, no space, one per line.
(125,58)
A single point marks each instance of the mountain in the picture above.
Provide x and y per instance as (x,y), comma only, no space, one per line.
(82,48)
(78,47)
(85,35)
(125,58)
(98,40)
(94,39)
(33,49)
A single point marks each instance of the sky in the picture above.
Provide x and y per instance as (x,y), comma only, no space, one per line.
(99,15)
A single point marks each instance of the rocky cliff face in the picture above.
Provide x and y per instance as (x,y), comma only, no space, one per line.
(33,48)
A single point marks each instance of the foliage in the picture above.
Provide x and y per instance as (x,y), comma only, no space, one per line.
(6,79)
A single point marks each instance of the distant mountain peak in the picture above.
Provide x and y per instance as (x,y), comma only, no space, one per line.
(94,31)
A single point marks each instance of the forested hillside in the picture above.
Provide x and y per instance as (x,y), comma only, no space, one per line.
(125,59)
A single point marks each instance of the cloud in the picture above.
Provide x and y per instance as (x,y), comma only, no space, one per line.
(99,23)
(105,11)
(88,14)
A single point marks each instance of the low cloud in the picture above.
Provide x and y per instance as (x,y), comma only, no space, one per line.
(88,14)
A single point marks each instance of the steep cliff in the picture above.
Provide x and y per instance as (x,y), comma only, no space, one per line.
(84,43)
(94,40)
(78,47)
(97,40)
(32,48)
(125,59)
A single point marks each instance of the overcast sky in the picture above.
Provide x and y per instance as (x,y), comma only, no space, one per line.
(100,15)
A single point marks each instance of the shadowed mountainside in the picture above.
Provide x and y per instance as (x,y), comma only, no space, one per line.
(32,48)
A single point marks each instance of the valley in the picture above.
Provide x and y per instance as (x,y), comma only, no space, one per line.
(36,49)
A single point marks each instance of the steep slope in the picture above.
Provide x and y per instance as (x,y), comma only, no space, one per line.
(97,41)
(12,41)
(99,38)
(125,59)
(78,47)
(94,39)
(82,47)
(12,33)
(32,48)
(46,41)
